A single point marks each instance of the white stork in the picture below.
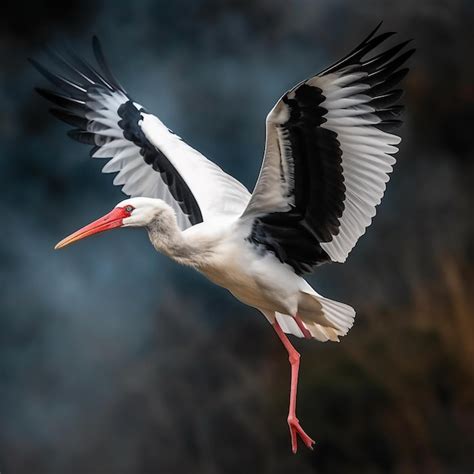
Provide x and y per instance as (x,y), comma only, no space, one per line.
(328,155)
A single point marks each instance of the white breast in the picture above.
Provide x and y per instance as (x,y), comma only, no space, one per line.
(258,279)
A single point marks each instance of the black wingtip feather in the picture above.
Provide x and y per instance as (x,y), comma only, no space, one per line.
(390,113)
(88,70)
(389,126)
(389,82)
(93,150)
(70,118)
(372,64)
(100,58)
(374,43)
(74,90)
(66,64)
(366,39)
(355,56)
(73,105)
(82,136)
(371,42)
(387,99)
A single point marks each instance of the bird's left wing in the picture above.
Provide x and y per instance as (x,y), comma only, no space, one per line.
(149,159)
(327,158)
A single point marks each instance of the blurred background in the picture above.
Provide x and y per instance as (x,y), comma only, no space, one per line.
(114,360)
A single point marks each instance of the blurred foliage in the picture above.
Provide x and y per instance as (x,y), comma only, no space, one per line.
(402,387)
(396,396)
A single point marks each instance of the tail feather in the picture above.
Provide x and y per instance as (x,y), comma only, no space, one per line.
(317,331)
(339,314)
(325,319)
(288,324)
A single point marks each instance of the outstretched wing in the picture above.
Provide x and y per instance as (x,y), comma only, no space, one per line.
(148,158)
(327,158)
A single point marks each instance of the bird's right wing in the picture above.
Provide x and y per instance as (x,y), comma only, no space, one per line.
(327,158)
(149,159)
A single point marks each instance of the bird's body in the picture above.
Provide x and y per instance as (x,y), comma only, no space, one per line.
(220,250)
(234,264)
(327,159)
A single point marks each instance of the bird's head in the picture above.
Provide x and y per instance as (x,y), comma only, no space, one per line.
(133,212)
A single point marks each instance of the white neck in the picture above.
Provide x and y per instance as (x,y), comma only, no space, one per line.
(167,238)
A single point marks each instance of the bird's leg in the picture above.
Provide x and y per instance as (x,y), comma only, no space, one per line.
(302,327)
(293,422)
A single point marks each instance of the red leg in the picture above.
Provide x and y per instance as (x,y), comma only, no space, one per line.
(302,327)
(293,423)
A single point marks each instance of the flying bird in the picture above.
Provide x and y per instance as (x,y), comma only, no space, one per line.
(329,149)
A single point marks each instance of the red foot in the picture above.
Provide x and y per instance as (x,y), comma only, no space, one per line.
(295,429)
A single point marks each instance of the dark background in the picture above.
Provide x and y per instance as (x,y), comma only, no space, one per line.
(114,360)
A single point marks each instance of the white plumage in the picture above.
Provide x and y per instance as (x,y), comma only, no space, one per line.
(328,155)
(133,174)
(366,156)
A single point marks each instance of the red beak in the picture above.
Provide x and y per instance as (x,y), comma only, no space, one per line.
(110,221)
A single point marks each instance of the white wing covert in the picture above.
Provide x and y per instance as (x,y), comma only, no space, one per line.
(328,156)
(149,159)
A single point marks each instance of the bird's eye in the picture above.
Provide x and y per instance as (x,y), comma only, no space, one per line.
(129,208)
